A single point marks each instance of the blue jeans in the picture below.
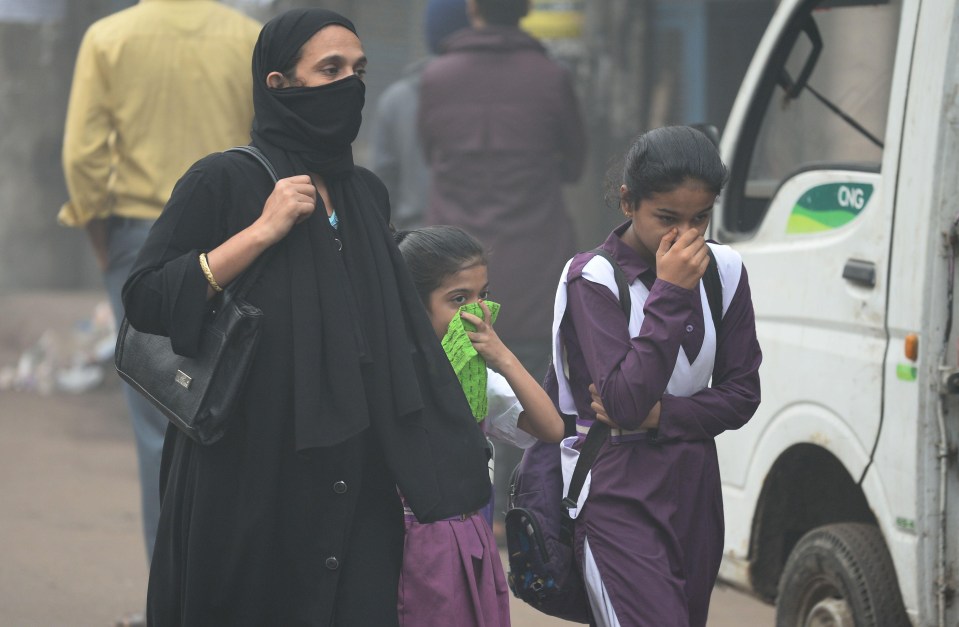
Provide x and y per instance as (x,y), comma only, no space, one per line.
(149,425)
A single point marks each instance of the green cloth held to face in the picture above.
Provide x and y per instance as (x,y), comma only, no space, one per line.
(469,366)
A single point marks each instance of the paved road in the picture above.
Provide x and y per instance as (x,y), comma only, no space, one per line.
(69,519)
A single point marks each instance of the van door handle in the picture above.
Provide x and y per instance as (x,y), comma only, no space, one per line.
(859,271)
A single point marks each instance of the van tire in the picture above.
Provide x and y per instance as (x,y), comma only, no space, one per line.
(843,575)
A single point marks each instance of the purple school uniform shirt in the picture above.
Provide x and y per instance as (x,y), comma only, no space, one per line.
(631,374)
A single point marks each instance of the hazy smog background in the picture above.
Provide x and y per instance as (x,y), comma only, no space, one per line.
(637,64)
(70,532)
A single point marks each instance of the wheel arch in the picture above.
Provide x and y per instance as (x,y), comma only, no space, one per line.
(806,487)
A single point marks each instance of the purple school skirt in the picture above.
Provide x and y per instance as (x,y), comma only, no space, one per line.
(452,568)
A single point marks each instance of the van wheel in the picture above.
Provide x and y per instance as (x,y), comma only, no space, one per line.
(840,576)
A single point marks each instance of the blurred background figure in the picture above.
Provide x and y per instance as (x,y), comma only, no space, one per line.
(395,151)
(502,132)
(156,86)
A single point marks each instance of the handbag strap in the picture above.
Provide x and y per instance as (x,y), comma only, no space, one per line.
(257,154)
(239,287)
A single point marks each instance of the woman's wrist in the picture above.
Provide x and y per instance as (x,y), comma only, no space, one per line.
(262,235)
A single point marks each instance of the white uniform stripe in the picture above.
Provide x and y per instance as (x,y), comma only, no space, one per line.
(603,613)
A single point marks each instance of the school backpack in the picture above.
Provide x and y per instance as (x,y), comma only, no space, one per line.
(539,529)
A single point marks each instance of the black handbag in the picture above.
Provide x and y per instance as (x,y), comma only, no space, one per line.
(199,394)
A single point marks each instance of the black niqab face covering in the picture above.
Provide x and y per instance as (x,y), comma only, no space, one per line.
(317,125)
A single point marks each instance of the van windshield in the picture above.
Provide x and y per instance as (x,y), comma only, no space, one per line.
(854,72)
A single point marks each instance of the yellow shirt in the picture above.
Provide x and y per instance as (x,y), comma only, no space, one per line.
(156,87)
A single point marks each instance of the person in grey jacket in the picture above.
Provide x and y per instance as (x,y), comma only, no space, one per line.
(396,155)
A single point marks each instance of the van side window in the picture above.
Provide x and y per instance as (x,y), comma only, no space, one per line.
(790,129)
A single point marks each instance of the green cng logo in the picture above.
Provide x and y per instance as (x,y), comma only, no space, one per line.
(827,207)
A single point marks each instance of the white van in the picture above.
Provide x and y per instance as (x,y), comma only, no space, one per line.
(842,493)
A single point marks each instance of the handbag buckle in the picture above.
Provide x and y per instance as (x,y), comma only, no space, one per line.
(183,379)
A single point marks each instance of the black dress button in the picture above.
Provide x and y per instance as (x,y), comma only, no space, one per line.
(339,487)
(332,563)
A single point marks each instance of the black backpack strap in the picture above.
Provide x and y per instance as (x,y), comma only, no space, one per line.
(587,455)
(714,289)
(599,431)
(625,301)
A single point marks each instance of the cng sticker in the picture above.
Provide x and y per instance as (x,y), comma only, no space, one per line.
(827,207)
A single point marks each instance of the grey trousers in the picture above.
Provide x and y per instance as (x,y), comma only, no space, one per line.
(149,425)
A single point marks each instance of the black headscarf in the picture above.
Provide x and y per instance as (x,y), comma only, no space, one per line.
(357,321)
(317,125)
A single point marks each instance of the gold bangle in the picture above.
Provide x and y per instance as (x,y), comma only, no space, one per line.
(205,266)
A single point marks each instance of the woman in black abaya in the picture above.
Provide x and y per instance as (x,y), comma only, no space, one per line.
(293,517)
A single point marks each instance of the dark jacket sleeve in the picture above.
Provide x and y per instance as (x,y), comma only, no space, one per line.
(166,292)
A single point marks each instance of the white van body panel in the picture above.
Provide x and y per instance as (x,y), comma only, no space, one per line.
(835,375)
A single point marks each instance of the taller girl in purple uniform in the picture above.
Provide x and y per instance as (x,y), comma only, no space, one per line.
(649,524)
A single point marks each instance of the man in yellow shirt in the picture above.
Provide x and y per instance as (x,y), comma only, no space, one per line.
(156,87)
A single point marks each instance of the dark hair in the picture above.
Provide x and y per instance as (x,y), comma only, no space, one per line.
(433,253)
(289,72)
(503,12)
(660,160)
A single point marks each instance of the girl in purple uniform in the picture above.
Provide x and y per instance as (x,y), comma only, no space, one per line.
(451,570)
(649,522)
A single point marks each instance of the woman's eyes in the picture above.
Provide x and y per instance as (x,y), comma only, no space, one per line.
(667,219)
(484,295)
(334,71)
(459,300)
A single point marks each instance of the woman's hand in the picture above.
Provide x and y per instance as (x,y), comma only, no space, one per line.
(597,406)
(486,342)
(293,200)
(682,259)
(651,421)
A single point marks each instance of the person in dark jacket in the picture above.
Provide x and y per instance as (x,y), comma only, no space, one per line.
(293,517)
(502,132)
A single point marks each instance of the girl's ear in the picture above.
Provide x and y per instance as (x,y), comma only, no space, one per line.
(624,205)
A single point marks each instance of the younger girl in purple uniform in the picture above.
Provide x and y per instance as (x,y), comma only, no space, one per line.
(451,570)
(649,522)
